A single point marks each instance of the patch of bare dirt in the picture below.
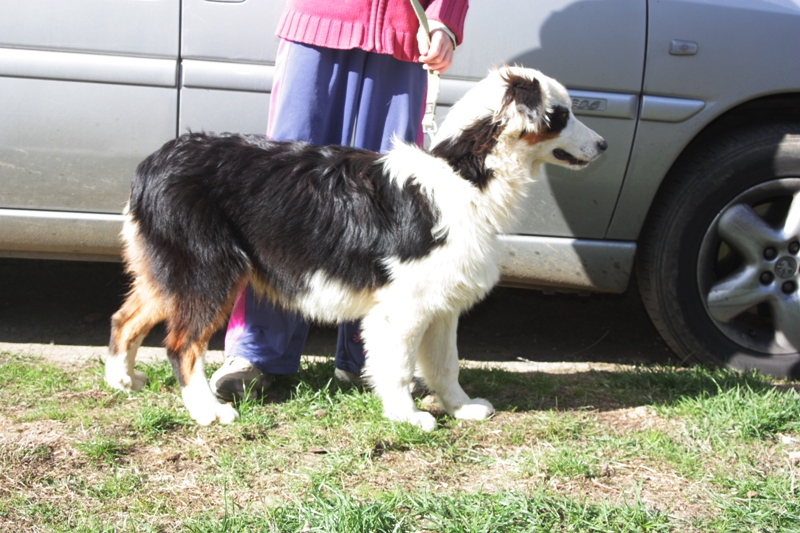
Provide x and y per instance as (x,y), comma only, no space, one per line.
(630,419)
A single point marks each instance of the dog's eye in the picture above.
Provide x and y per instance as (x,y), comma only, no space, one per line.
(557,119)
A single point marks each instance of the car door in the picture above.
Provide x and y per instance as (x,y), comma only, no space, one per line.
(87,89)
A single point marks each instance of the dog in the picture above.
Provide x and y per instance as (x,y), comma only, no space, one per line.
(403,241)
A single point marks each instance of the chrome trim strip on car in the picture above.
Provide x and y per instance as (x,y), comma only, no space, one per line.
(663,109)
(71,66)
(565,264)
(249,77)
(30,233)
(61,215)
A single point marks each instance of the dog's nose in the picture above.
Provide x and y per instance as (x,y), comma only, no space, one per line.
(602,145)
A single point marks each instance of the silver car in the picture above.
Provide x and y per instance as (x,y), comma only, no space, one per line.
(699,192)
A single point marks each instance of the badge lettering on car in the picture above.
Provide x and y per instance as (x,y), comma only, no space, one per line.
(589,104)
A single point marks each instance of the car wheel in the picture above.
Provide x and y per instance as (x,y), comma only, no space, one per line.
(718,257)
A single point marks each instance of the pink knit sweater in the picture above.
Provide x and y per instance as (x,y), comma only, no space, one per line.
(382,26)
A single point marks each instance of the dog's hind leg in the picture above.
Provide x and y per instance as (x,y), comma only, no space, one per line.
(143,309)
(391,337)
(438,362)
(186,354)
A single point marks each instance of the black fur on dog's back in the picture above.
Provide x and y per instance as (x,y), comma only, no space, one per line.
(208,208)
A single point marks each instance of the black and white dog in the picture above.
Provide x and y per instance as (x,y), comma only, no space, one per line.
(404,241)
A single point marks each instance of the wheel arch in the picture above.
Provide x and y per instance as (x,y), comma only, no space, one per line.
(767,109)
(775,109)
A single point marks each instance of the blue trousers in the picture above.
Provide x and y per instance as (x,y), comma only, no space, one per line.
(325,96)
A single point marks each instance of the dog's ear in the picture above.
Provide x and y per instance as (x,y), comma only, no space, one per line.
(525,96)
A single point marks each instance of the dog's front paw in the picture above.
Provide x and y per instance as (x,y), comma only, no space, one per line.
(226,414)
(138,380)
(119,379)
(423,420)
(475,409)
(219,412)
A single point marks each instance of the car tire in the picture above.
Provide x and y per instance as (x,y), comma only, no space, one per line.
(718,258)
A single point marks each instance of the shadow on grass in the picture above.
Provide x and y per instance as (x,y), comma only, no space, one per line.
(592,390)
(604,390)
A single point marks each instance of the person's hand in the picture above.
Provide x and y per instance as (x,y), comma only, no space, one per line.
(439,55)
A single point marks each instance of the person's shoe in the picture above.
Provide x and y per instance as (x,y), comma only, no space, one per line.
(343,376)
(237,379)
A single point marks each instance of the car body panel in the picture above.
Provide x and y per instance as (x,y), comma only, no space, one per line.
(748,50)
(228,51)
(219,96)
(566,264)
(71,146)
(586,45)
(218,67)
(232,32)
(122,27)
(88,89)
(60,235)
(608,61)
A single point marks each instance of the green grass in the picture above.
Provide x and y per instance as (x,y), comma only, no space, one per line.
(106,449)
(327,509)
(155,420)
(742,411)
(635,450)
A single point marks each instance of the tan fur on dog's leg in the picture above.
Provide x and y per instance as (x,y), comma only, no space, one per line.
(119,371)
(188,363)
(141,311)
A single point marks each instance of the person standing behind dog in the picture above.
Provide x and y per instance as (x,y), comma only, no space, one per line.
(347,72)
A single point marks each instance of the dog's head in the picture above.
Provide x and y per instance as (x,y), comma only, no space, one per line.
(539,110)
(523,111)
